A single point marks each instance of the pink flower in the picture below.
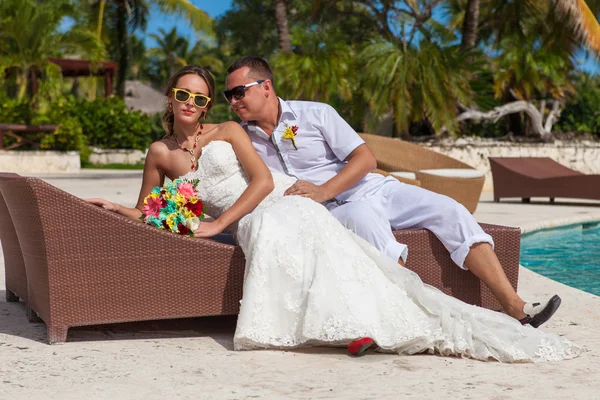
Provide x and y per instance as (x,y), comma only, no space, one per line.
(153,206)
(186,189)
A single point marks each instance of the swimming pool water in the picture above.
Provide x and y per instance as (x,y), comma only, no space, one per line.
(570,255)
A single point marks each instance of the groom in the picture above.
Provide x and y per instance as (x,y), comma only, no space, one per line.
(311,142)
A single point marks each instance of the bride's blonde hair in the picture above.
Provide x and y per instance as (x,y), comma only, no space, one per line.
(168,119)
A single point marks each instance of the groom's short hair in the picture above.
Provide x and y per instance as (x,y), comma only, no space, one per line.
(259,67)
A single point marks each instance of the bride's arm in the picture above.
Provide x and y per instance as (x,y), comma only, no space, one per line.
(153,176)
(261,181)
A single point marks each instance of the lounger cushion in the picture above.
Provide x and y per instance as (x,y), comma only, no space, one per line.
(402,174)
(454,172)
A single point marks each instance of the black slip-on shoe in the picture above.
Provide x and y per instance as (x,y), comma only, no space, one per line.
(539,313)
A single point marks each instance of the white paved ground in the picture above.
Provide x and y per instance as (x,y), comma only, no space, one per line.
(193,359)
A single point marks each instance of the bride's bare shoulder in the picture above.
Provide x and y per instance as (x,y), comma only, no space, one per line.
(225,129)
(160,148)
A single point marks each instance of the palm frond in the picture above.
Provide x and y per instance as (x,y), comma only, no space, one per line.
(585,22)
(416,84)
(322,70)
(199,19)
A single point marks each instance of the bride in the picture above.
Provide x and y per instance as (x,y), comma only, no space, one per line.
(308,280)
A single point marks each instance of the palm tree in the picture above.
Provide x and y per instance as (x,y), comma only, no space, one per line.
(122,17)
(320,71)
(175,51)
(170,46)
(470,23)
(281,20)
(584,21)
(202,54)
(139,58)
(31,33)
(416,84)
(511,13)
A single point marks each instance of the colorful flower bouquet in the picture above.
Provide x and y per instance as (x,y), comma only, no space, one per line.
(175,207)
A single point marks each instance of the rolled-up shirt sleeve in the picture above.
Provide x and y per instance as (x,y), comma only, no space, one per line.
(339,135)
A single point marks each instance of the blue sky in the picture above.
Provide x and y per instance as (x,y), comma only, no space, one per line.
(215,8)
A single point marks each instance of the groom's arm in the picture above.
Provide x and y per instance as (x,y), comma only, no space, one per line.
(347,146)
(360,162)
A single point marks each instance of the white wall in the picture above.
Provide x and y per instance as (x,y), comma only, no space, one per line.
(24,162)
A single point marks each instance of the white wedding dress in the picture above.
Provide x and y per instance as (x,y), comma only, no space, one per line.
(311,282)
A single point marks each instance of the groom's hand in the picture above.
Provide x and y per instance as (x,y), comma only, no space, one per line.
(307,189)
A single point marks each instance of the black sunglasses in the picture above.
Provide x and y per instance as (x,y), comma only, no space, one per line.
(239,92)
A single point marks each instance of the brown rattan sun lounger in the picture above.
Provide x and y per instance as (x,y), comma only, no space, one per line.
(394,155)
(528,177)
(89,266)
(14,266)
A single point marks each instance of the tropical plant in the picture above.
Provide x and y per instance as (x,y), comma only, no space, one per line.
(31,34)
(582,110)
(534,46)
(167,54)
(174,52)
(416,83)
(281,21)
(320,71)
(119,18)
(139,58)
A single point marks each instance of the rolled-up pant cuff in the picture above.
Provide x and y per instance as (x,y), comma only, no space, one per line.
(459,255)
(396,251)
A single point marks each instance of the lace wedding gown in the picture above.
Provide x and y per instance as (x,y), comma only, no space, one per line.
(310,281)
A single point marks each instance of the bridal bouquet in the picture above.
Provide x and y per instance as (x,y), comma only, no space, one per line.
(175,207)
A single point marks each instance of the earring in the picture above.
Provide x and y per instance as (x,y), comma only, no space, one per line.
(170,107)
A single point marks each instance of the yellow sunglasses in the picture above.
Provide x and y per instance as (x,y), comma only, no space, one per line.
(182,96)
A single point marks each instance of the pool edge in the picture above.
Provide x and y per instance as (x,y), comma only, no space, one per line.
(558,223)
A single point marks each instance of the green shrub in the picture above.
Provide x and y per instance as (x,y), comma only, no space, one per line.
(15,112)
(157,131)
(68,136)
(582,112)
(103,123)
(106,123)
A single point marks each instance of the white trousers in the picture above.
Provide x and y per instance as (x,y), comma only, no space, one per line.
(396,205)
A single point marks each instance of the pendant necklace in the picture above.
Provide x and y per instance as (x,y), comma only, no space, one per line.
(192,149)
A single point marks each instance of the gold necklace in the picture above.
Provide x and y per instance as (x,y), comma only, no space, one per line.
(191,150)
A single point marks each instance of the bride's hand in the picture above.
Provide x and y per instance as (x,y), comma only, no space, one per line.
(208,229)
(107,205)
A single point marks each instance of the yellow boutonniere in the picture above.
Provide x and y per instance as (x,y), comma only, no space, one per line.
(290,133)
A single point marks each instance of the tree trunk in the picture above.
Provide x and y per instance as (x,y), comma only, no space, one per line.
(35,86)
(281,20)
(470,23)
(75,87)
(100,19)
(536,119)
(123,38)
(553,116)
(22,83)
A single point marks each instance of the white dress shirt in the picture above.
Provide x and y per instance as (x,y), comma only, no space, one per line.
(324,140)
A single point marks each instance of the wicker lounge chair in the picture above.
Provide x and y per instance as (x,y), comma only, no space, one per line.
(14,266)
(528,177)
(406,177)
(89,266)
(399,156)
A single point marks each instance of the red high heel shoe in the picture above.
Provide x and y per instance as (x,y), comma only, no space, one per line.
(358,347)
